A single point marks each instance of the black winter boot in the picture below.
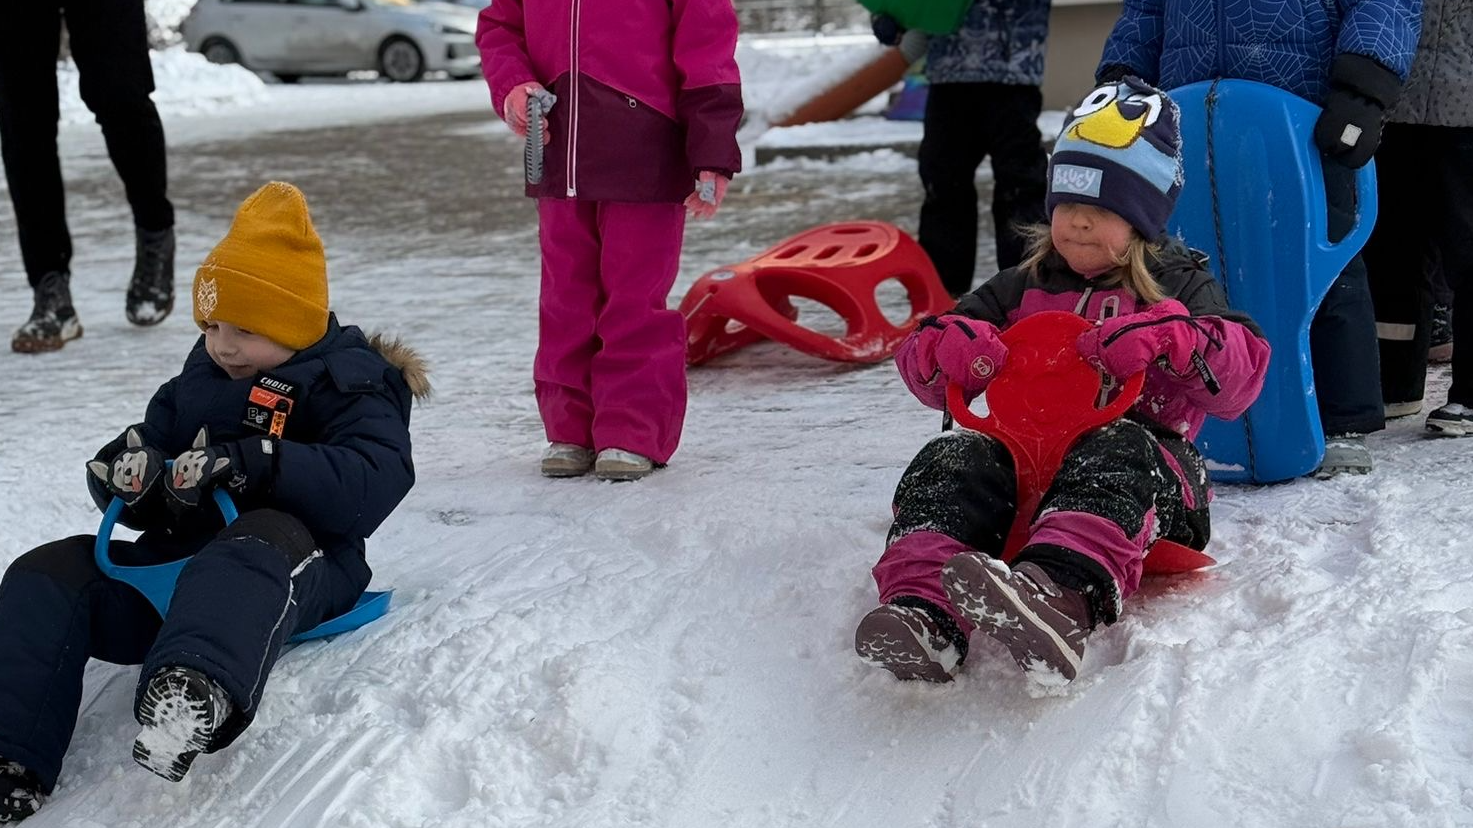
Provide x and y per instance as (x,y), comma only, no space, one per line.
(1043,625)
(180,712)
(151,293)
(53,320)
(20,793)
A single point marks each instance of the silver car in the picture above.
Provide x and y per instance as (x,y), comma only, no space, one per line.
(291,38)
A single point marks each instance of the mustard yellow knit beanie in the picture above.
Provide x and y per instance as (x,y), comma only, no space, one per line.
(269,274)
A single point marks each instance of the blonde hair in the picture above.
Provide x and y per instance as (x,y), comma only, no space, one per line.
(1132,267)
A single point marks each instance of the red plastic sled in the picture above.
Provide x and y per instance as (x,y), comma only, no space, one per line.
(1039,404)
(837,265)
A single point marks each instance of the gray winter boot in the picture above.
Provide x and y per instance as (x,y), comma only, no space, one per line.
(1042,624)
(618,464)
(1344,454)
(566,460)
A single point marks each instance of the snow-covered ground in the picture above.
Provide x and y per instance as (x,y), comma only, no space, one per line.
(677,652)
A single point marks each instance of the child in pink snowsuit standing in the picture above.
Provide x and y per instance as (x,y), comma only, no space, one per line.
(648,100)
(1113,181)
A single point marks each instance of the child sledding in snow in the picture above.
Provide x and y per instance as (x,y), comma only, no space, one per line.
(312,477)
(1113,181)
(648,99)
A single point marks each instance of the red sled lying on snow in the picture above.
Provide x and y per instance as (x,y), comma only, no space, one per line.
(837,265)
(1041,401)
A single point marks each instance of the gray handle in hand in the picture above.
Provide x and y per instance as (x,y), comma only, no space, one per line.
(539,103)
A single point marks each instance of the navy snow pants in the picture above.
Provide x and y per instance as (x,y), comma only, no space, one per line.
(251,587)
(1342,336)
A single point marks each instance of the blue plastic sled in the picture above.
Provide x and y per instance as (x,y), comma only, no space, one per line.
(1269,246)
(156,583)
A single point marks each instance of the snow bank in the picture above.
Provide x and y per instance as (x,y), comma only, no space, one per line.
(779,74)
(185,85)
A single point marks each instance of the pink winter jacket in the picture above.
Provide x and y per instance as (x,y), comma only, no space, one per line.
(648,91)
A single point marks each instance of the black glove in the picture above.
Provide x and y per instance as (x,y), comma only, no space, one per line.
(886,28)
(1361,90)
(243,467)
(131,470)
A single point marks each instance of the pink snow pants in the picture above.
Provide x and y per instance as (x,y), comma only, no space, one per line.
(610,367)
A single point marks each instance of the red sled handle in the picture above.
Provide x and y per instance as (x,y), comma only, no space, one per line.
(1042,400)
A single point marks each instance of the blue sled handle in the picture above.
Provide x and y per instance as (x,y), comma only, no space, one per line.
(156,583)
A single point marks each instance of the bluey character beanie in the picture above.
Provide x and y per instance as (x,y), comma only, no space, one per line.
(269,274)
(1120,149)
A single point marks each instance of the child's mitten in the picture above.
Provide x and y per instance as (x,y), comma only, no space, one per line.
(243,467)
(959,349)
(1124,345)
(132,471)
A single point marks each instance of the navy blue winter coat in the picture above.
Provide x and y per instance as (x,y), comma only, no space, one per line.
(1000,41)
(343,462)
(1286,43)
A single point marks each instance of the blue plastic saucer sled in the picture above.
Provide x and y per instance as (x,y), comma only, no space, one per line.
(1254,200)
(156,583)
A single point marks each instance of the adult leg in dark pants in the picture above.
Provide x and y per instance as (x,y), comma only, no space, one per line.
(1343,348)
(110,45)
(1454,221)
(109,40)
(1397,260)
(29,111)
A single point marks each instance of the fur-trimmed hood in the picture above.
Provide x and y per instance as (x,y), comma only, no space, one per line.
(413,366)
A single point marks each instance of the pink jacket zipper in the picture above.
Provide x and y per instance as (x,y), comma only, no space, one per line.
(573,104)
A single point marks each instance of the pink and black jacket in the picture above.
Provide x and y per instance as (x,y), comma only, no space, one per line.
(648,91)
(1237,353)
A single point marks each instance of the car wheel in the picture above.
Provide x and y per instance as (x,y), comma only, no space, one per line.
(220,50)
(288,78)
(400,60)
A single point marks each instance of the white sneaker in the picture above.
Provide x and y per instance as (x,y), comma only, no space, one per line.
(618,464)
(566,460)
(1452,420)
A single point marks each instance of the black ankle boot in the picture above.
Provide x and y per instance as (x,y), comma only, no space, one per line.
(53,320)
(180,710)
(151,293)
